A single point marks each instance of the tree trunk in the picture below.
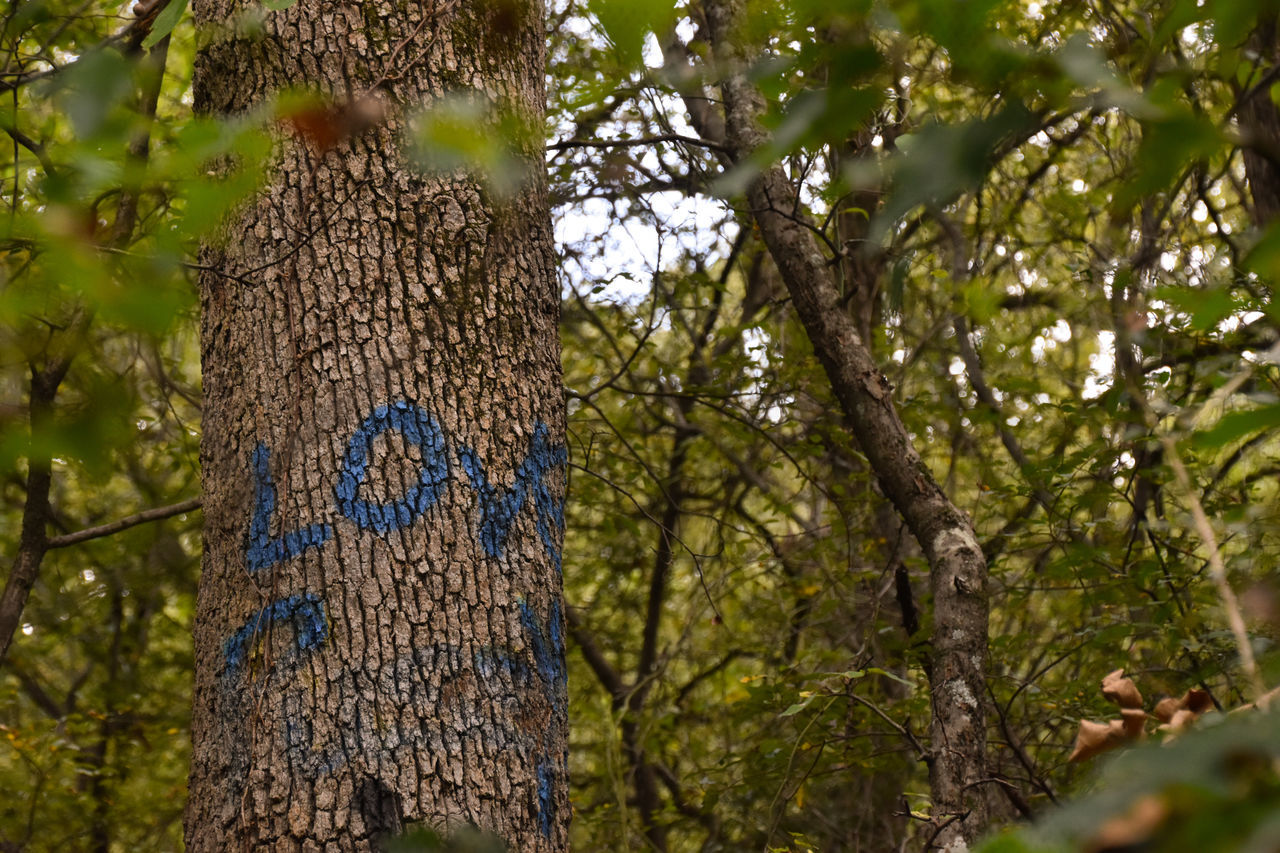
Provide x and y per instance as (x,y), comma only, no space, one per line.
(958,570)
(378,630)
(1260,123)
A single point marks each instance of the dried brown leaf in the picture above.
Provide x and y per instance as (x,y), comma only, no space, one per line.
(1179,721)
(325,125)
(1166,708)
(1134,722)
(1121,690)
(1197,701)
(1096,738)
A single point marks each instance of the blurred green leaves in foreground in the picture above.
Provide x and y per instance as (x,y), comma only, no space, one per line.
(1215,789)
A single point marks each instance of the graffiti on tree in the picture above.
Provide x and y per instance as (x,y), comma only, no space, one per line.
(415,678)
(420,430)
(499,509)
(304,612)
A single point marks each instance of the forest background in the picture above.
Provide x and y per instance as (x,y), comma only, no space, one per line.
(1054,225)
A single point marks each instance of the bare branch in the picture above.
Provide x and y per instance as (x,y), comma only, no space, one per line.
(566,144)
(111,528)
(34,147)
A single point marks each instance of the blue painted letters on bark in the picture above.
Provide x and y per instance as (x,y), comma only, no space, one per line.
(498,509)
(261,551)
(305,612)
(418,429)
(547,645)
(546,803)
(548,649)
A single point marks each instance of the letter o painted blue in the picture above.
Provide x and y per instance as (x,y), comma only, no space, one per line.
(419,429)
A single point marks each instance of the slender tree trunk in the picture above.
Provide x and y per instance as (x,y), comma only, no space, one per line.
(33,542)
(49,368)
(958,570)
(379,625)
(1260,122)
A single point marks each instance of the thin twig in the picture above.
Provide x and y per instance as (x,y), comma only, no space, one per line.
(1217,568)
(623,143)
(921,752)
(155,514)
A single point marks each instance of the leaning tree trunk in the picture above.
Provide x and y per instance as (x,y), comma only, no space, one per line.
(957,567)
(378,632)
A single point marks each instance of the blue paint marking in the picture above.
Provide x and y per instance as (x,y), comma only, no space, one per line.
(546,801)
(499,508)
(305,612)
(261,550)
(548,650)
(419,429)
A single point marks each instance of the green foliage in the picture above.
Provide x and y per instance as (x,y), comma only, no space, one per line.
(626,24)
(1048,201)
(466,131)
(1215,789)
(1068,181)
(165,22)
(109,188)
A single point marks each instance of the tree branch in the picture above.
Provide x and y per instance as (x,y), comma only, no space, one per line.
(34,147)
(566,144)
(113,527)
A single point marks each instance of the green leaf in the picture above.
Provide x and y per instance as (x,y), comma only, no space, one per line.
(939,162)
(1207,306)
(1087,66)
(796,708)
(1264,258)
(982,300)
(1169,146)
(92,88)
(959,26)
(1232,20)
(627,22)
(1236,425)
(165,22)
(278,5)
(875,670)
(469,132)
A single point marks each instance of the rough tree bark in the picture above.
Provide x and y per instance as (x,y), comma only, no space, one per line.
(1260,124)
(379,624)
(958,570)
